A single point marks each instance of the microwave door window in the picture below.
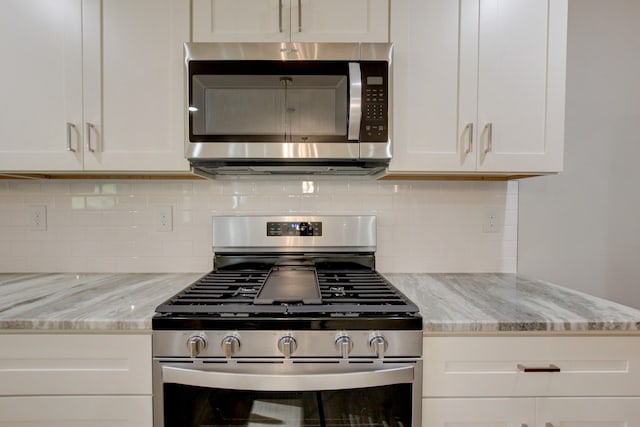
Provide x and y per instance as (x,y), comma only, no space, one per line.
(316,106)
(269,107)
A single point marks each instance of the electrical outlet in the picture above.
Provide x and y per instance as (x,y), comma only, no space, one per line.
(38,218)
(492,220)
(164,218)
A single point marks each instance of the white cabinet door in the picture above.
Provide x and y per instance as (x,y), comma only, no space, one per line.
(133,84)
(340,20)
(430,76)
(521,76)
(240,20)
(478,412)
(78,364)
(76,411)
(592,412)
(41,85)
(478,86)
(506,366)
(290,20)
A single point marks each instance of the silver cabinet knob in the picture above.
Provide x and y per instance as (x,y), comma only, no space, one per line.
(230,345)
(379,345)
(344,345)
(196,345)
(287,346)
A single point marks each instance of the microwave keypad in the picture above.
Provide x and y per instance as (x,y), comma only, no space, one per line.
(374,126)
(375,117)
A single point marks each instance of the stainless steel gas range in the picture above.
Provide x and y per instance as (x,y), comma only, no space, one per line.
(294,326)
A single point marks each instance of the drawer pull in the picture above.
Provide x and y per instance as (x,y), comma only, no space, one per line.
(550,368)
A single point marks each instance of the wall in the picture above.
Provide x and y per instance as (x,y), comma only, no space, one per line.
(109,226)
(581,229)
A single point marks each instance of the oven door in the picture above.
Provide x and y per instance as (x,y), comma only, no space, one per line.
(287,394)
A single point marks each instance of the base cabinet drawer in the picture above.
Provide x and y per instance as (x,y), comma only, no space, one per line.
(531,366)
(588,412)
(478,412)
(79,411)
(531,412)
(62,364)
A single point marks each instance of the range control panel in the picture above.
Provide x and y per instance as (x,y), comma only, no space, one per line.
(294,228)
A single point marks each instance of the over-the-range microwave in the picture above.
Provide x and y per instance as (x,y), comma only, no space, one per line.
(288,108)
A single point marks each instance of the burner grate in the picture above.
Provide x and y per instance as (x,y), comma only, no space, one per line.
(342,293)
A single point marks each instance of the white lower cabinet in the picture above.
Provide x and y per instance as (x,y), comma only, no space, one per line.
(101,380)
(84,411)
(533,381)
(531,412)
(588,412)
(478,412)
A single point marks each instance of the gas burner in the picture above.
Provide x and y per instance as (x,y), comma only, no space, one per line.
(263,275)
(337,291)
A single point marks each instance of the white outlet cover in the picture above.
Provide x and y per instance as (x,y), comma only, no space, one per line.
(38,218)
(164,219)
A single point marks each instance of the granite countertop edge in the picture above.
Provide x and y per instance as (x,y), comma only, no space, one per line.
(450,304)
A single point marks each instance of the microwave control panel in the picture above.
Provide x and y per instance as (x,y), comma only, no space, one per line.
(375,102)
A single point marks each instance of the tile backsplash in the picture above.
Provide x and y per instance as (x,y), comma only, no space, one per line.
(112,225)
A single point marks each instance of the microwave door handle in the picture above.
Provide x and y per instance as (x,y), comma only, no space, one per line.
(355,101)
(287,382)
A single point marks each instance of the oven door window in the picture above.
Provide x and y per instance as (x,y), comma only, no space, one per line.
(262,101)
(383,406)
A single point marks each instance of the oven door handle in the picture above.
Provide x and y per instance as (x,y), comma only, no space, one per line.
(287,382)
(355,101)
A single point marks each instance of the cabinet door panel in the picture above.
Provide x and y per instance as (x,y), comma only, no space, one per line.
(340,21)
(241,20)
(134,84)
(430,75)
(494,366)
(515,63)
(75,364)
(478,412)
(76,411)
(41,85)
(588,412)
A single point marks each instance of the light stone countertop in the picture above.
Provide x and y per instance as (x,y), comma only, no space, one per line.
(85,302)
(449,303)
(499,303)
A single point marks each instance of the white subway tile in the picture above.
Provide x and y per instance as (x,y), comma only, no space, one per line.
(102,226)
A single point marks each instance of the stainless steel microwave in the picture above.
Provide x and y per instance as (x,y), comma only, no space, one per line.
(288,108)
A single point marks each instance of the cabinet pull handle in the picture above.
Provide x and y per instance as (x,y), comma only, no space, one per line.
(280,15)
(489,129)
(469,128)
(550,368)
(299,16)
(90,127)
(70,128)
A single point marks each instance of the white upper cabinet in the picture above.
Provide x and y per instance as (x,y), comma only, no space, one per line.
(134,84)
(478,85)
(291,20)
(41,84)
(92,85)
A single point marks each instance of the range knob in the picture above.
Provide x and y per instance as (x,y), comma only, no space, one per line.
(196,344)
(230,345)
(379,345)
(287,345)
(344,345)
